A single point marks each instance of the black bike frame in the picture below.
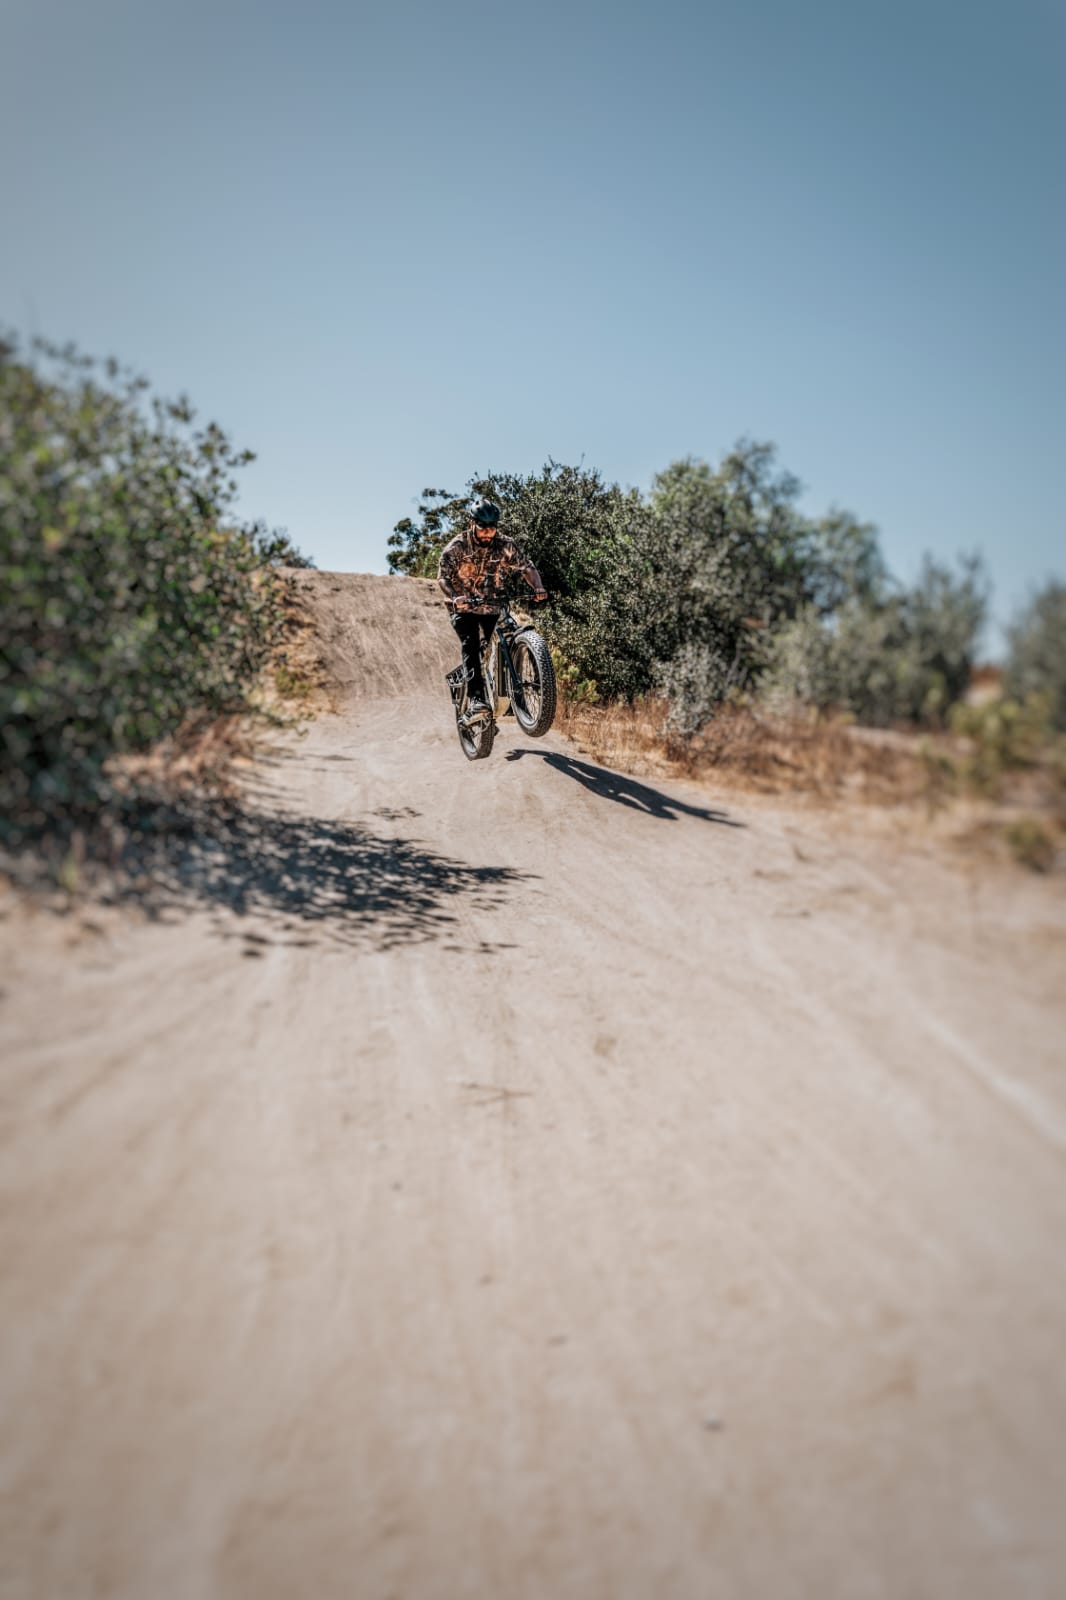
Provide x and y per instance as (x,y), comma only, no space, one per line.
(504,634)
(507,630)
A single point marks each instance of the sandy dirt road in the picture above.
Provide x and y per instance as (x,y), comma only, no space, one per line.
(513,1179)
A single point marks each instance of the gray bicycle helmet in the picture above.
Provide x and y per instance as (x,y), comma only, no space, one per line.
(484,513)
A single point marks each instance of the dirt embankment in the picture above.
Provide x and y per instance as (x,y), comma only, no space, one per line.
(369,638)
(517,1178)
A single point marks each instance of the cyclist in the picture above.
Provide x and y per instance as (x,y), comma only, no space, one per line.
(473,569)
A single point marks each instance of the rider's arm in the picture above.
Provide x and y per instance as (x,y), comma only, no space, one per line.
(520,562)
(448,575)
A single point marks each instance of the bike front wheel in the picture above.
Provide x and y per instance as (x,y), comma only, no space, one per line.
(533,692)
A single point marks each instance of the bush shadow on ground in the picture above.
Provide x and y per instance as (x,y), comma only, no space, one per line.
(626,791)
(298,880)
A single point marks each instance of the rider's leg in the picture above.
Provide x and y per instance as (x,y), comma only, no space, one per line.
(487,624)
(469,628)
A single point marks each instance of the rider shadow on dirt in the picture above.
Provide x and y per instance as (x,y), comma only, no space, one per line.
(305,880)
(626,791)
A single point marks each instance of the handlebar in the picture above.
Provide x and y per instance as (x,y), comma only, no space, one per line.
(473,602)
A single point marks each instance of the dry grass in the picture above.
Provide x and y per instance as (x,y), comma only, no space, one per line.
(755,751)
(298,675)
(153,794)
(208,753)
(1022,819)
(204,755)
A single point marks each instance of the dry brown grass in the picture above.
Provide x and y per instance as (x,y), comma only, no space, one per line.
(208,753)
(810,757)
(755,751)
(298,677)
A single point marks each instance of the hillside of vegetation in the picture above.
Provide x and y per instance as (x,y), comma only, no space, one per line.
(710,626)
(706,624)
(715,585)
(136,606)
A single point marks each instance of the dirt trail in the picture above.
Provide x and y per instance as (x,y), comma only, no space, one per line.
(514,1179)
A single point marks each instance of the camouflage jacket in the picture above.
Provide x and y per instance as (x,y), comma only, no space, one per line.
(469,567)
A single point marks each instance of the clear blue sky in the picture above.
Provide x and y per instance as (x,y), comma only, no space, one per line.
(389,245)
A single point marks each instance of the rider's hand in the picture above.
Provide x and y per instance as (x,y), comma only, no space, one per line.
(540,595)
(462,602)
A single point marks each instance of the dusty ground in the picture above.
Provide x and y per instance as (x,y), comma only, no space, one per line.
(514,1179)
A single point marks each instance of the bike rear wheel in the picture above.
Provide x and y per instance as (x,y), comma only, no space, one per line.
(533,686)
(475,739)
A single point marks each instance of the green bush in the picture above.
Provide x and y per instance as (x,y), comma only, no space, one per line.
(1031,844)
(130,597)
(1036,662)
(715,584)
(883,658)
(583,536)
(575,690)
(695,681)
(1005,736)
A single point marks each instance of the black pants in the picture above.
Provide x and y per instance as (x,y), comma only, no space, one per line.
(472,628)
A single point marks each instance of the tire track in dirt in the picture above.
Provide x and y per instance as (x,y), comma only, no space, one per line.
(625,1223)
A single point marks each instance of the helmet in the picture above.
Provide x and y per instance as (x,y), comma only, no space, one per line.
(484,513)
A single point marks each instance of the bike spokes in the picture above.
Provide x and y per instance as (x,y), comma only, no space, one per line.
(527,682)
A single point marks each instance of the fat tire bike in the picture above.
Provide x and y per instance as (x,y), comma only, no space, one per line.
(516,667)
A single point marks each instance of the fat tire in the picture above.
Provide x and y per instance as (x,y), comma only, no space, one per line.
(540,657)
(480,747)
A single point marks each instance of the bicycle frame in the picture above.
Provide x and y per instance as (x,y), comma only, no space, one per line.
(504,675)
(497,664)
(500,666)
(506,682)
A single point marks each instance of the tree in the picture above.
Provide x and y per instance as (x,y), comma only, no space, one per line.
(886,655)
(944,614)
(845,563)
(1036,661)
(131,597)
(716,583)
(414,547)
(729,559)
(580,533)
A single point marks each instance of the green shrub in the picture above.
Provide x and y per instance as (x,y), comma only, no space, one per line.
(1031,844)
(1036,662)
(715,583)
(703,563)
(576,690)
(580,532)
(695,681)
(130,597)
(893,657)
(292,685)
(1004,736)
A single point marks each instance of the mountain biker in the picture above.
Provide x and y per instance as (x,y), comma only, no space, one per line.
(473,568)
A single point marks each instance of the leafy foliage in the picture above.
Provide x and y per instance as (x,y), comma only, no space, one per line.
(728,558)
(1036,663)
(1006,736)
(131,598)
(884,656)
(716,585)
(414,547)
(1032,844)
(581,533)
